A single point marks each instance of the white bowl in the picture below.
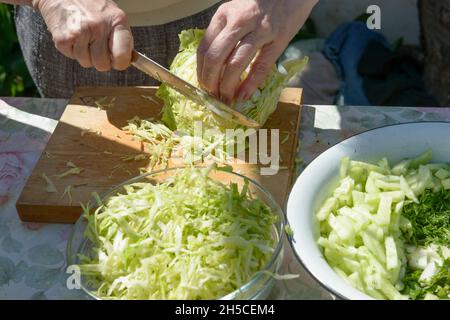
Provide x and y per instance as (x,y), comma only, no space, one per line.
(396,143)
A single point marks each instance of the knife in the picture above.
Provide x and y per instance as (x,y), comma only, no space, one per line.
(197,95)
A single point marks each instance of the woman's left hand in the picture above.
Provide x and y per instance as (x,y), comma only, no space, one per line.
(241,30)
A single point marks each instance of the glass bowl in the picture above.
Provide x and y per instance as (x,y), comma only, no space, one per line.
(257,288)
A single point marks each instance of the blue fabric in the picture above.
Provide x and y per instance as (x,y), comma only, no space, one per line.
(344,48)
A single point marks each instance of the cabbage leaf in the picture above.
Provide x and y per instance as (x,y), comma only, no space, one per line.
(180,113)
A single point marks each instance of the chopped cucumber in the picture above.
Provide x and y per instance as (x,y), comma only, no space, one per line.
(363,229)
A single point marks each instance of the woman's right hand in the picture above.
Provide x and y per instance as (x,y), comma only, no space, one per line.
(95,33)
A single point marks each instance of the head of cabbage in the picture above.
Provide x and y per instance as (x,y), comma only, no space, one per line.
(180,113)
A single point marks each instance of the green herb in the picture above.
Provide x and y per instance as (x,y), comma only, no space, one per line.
(430,219)
(439,285)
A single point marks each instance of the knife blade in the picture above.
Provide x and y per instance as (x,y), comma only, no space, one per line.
(158,72)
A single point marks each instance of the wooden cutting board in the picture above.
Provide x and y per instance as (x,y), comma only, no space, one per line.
(90,136)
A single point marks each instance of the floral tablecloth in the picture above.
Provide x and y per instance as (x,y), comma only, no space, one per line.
(32,256)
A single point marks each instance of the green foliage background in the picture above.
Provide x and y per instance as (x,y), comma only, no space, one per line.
(15,79)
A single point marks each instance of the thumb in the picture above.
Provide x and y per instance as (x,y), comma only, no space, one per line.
(121,45)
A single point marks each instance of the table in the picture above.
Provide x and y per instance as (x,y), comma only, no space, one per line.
(32,256)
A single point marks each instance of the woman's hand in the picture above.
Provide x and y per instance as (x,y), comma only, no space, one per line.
(241,30)
(95,33)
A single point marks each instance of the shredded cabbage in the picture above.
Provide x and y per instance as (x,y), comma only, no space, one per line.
(177,133)
(190,237)
(50,186)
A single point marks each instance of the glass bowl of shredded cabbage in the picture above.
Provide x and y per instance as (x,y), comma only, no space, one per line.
(184,233)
